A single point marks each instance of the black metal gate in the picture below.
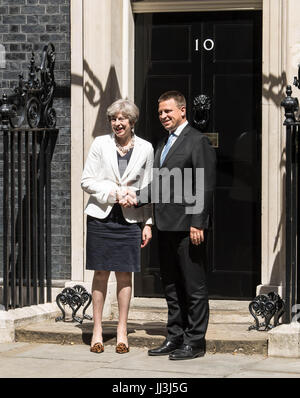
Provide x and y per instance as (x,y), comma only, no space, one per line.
(292,196)
(28,136)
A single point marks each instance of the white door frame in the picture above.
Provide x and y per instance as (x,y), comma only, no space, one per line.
(195,6)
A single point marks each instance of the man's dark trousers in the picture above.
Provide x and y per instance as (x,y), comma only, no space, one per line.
(183,276)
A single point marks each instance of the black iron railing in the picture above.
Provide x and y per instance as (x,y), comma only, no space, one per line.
(28,136)
(292,196)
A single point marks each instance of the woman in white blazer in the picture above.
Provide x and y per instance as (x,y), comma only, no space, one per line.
(117,164)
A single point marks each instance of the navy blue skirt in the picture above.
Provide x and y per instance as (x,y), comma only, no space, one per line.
(113,244)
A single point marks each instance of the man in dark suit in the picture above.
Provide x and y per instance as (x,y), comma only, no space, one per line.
(181,225)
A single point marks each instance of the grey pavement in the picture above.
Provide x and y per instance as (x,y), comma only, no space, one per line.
(35,360)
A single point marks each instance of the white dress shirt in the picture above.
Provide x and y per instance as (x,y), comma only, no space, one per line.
(178,131)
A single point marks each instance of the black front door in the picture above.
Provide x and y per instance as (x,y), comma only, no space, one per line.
(219,55)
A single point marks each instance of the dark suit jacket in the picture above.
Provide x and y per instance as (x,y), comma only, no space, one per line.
(191,151)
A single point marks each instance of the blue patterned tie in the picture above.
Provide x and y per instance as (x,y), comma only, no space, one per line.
(168,145)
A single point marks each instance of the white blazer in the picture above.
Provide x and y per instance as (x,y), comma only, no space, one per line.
(101,176)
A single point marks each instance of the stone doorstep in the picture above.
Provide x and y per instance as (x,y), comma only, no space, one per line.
(160,303)
(227,331)
(284,341)
(11,319)
(214,317)
(155,309)
(234,338)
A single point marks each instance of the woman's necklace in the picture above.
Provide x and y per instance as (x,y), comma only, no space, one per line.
(126,148)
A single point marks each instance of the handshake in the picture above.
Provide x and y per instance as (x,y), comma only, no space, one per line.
(126,197)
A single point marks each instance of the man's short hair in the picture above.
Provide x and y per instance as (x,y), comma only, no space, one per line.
(176,95)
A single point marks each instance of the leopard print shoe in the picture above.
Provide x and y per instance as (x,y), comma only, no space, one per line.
(121,348)
(97,348)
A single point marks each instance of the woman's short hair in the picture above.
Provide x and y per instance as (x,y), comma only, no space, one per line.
(126,107)
(177,96)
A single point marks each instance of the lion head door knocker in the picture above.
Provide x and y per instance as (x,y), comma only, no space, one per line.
(200,111)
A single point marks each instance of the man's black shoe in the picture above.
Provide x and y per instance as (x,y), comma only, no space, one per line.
(186,351)
(166,348)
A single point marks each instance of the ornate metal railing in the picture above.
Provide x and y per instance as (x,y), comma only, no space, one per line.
(292,196)
(28,133)
(266,307)
(75,297)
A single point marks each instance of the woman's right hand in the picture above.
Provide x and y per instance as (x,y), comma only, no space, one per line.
(126,198)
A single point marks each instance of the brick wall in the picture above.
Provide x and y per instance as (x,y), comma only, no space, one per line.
(25,27)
